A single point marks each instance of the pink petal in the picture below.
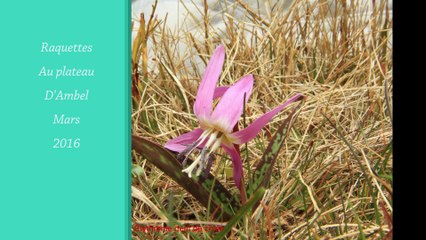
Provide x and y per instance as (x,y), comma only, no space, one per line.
(253,129)
(179,143)
(230,107)
(237,164)
(219,91)
(204,100)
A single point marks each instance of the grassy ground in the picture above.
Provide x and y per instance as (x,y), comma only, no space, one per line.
(333,177)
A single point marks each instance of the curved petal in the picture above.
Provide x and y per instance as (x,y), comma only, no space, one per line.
(219,91)
(237,164)
(179,143)
(230,107)
(253,129)
(204,99)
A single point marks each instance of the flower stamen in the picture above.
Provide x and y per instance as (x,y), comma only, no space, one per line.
(203,157)
(216,145)
(191,167)
(213,143)
(209,164)
(188,150)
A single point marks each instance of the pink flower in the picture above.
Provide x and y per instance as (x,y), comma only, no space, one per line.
(216,126)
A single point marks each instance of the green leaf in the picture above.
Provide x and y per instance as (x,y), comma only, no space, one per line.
(241,212)
(206,189)
(263,172)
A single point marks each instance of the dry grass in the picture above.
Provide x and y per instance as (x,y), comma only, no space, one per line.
(333,178)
